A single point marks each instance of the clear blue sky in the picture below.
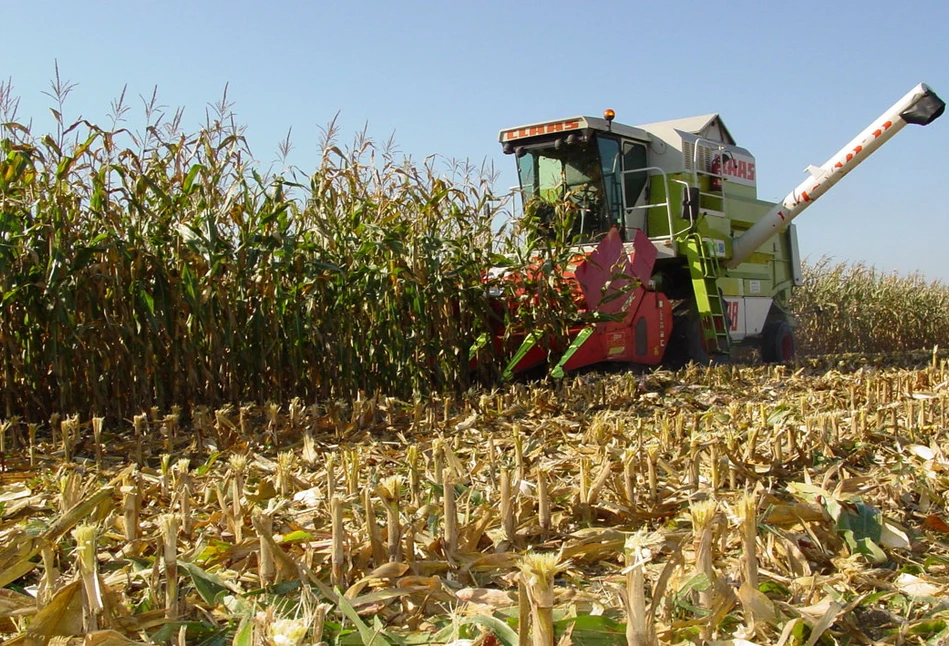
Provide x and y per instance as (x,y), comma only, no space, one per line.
(793,82)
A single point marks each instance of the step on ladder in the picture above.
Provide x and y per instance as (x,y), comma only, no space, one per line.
(704,267)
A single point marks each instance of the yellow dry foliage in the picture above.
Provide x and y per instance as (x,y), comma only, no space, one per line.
(765,504)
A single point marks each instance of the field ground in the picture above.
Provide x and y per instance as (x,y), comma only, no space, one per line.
(767,504)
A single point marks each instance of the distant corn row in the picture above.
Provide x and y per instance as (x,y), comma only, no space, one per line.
(148,270)
(854,308)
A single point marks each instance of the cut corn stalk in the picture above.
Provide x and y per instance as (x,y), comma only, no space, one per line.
(85,536)
(169,534)
(703,517)
(537,571)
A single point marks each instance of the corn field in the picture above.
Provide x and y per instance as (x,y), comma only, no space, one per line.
(151,269)
(164,267)
(238,409)
(854,308)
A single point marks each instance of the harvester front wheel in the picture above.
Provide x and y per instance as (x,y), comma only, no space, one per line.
(685,342)
(777,343)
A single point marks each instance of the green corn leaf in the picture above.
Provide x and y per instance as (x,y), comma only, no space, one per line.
(245,633)
(369,636)
(498,628)
(210,586)
(187,187)
(862,520)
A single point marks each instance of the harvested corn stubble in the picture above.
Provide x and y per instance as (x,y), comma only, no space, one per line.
(852,515)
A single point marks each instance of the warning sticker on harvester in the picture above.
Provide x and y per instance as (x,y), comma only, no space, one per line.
(717,247)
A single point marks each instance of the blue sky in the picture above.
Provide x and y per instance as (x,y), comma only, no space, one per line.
(794,82)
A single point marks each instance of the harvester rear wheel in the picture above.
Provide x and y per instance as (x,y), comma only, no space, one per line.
(777,343)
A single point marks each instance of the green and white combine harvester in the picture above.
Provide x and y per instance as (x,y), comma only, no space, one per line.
(676,249)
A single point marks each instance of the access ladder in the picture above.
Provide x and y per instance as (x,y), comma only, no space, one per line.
(704,268)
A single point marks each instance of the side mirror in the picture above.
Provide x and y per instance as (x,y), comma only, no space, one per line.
(690,204)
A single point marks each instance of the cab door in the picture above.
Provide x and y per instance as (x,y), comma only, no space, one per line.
(611,165)
(635,188)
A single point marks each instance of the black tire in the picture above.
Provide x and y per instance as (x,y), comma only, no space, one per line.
(777,343)
(685,342)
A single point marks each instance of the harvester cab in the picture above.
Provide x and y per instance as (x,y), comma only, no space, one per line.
(684,194)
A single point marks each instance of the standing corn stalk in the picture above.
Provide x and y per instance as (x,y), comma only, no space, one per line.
(640,630)
(263,525)
(168,524)
(97,423)
(338,555)
(390,490)
(238,464)
(703,517)
(537,571)
(543,500)
(748,520)
(508,519)
(92,605)
(210,273)
(757,606)
(450,513)
(184,495)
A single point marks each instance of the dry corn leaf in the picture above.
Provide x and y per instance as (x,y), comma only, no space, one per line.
(14,491)
(914,586)
(471,534)
(15,556)
(756,604)
(920,451)
(794,559)
(310,497)
(934,523)
(822,622)
(788,631)
(794,513)
(108,638)
(62,616)
(816,611)
(16,604)
(487,597)
(850,487)
(893,537)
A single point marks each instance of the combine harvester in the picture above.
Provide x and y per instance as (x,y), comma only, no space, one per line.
(680,259)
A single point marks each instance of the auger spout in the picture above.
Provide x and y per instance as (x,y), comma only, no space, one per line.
(920,106)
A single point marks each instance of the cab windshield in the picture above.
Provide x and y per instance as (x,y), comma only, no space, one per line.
(575,172)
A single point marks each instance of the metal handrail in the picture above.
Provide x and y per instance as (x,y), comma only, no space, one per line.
(718,146)
(667,203)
